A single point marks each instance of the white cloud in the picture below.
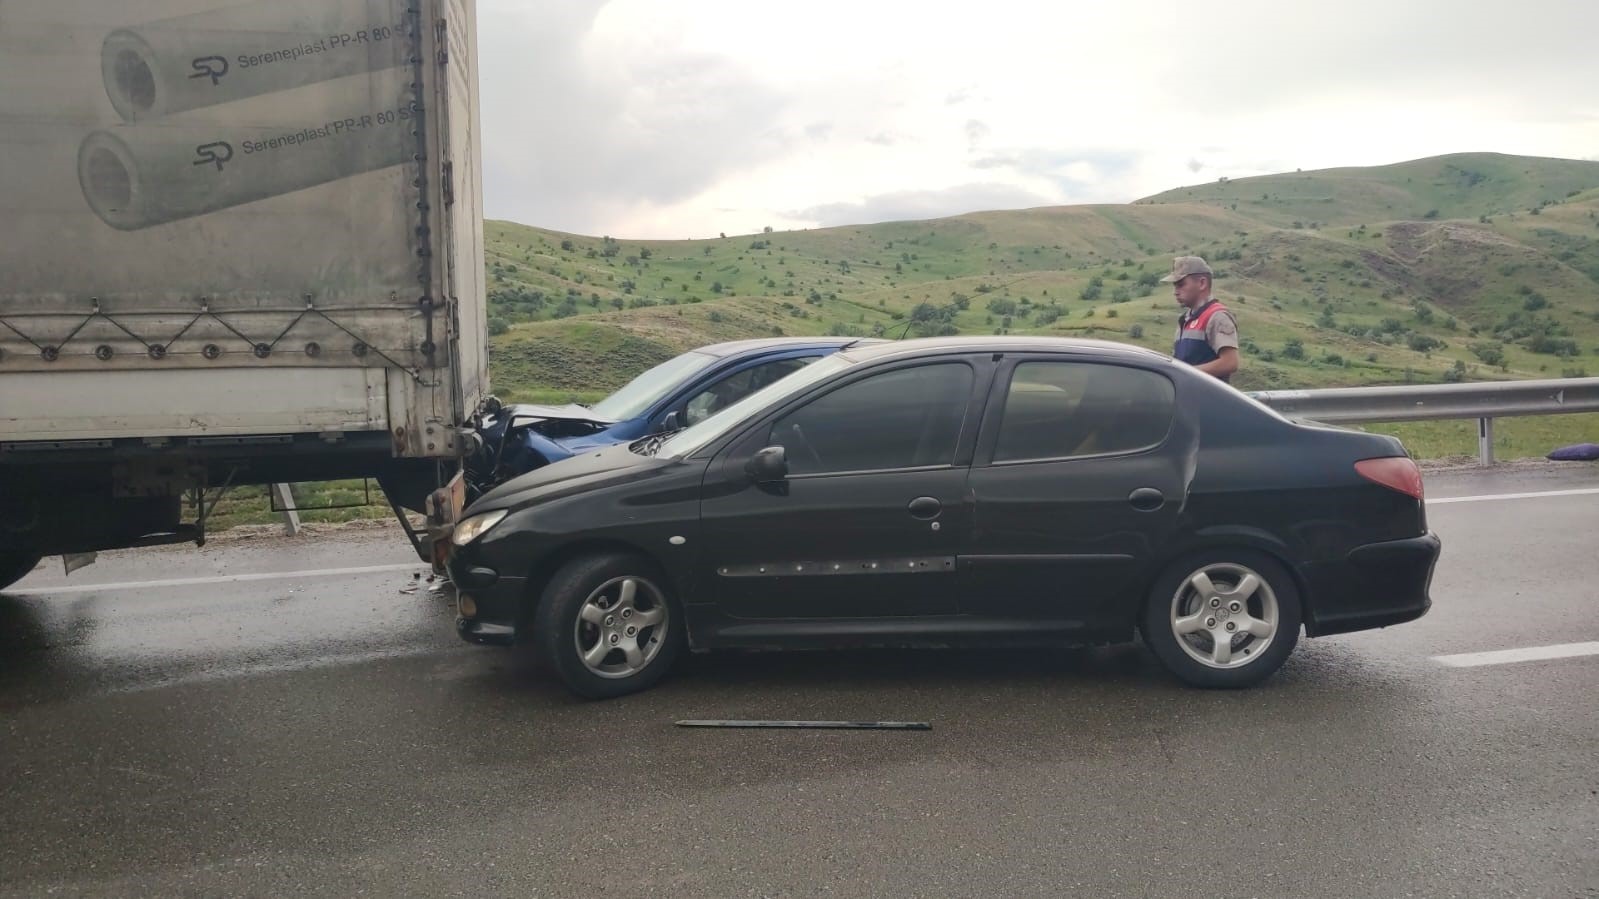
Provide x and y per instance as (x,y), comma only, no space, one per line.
(910,205)
(645,119)
(975,132)
(582,126)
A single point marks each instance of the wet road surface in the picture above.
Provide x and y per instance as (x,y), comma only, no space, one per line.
(234,731)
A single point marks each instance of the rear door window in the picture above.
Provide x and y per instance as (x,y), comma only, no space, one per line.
(1060,410)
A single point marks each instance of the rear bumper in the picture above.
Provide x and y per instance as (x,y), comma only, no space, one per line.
(1375,585)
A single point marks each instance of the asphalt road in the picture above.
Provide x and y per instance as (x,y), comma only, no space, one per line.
(242,732)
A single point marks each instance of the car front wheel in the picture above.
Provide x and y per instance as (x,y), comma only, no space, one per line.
(1223,618)
(606,625)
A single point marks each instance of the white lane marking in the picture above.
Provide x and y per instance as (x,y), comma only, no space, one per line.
(1478,499)
(220,579)
(1529,654)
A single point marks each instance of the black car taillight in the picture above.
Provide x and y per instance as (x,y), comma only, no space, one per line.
(1399,473)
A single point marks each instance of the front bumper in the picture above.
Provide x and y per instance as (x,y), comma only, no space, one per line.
(1375,585)
(490,605)
(484,633)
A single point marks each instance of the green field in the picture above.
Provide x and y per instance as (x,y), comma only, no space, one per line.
(325,502)
(1457,268)
(1514,438)
(1464,267)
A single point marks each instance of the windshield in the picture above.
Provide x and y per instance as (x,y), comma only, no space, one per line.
(645,390)
(688,441)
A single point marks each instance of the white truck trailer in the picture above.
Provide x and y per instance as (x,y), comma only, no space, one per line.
(240,243)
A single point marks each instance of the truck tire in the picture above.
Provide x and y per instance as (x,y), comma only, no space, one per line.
(16,562)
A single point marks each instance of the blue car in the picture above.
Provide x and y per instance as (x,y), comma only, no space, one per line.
(678,393)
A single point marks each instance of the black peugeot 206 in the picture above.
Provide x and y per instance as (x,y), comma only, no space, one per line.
(961,491)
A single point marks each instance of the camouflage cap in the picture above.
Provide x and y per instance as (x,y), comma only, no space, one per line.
(1183,266)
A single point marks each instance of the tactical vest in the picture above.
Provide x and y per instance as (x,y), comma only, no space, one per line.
(1191,345)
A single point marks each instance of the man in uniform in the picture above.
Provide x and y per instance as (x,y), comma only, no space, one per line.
(1207,335)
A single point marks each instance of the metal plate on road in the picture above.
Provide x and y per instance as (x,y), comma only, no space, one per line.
(815,725)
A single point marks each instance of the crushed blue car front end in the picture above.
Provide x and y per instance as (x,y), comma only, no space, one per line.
(519,438)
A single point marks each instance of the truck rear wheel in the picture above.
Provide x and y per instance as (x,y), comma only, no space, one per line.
(16,561)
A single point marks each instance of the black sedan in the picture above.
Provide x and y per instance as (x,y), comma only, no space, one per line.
(962,491)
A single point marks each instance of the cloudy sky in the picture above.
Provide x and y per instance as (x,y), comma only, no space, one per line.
(686,118)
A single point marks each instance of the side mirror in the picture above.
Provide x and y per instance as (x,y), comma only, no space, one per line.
(768,466)
(672,422)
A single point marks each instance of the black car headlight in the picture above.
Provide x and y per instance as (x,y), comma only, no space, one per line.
(476,526)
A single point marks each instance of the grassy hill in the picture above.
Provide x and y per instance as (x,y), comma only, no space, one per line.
(1461,267)
(1465,185)
(1492,262)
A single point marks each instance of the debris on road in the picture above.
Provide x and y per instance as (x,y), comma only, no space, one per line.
(1579,452)
(817,725)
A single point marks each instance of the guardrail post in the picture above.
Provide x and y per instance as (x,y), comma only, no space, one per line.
(1485,440)
(291,516)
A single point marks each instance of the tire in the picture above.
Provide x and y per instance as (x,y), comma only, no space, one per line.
(1184,624)
(15,563)
(595,600)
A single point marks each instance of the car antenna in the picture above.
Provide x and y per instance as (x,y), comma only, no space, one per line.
(907,329)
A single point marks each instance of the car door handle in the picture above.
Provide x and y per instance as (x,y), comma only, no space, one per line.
(925,507)
(1146,499)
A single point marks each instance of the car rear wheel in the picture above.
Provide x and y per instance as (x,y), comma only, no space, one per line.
(1223,618)
(606,625)
(16,561)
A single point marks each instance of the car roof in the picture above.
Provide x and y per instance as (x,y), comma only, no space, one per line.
(767,344)
(931,346)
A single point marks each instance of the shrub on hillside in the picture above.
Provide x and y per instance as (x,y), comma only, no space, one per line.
(1489,352)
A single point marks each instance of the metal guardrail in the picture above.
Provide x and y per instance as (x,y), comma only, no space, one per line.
(1484,401)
